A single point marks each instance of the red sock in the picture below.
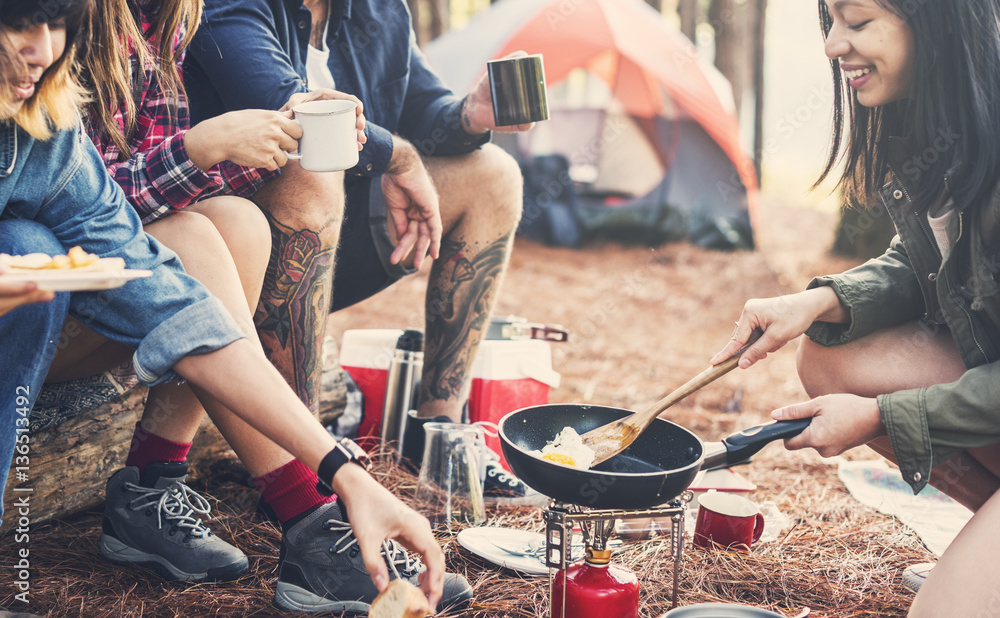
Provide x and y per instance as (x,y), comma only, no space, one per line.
(148,447)
(291,490)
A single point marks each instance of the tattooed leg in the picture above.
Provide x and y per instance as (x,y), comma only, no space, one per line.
(480,206)
(291,315)
(305,211)
(460,297)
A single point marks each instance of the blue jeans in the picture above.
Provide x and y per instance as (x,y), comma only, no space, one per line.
(62,184)
(29,336)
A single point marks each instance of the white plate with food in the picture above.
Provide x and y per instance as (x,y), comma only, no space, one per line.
(69,281)
(77,271)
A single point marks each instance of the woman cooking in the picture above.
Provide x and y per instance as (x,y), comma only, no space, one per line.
(901,352)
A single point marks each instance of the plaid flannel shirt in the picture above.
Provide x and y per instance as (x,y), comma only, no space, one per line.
(159,177)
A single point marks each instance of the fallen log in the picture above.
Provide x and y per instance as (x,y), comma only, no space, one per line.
(69,464)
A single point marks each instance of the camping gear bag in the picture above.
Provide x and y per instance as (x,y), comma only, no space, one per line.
(551,205)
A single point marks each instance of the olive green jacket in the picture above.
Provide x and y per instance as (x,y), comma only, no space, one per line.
(910,282)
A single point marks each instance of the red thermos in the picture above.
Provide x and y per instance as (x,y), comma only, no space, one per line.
(596,589)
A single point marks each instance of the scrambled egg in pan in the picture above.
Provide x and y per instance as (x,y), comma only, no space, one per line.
(567,449)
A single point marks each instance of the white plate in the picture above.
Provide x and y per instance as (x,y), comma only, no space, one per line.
(69,281)
(487,542)
(723,610)
(517,550)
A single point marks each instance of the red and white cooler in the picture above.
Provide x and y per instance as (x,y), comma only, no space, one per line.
(365,354)
(507,374)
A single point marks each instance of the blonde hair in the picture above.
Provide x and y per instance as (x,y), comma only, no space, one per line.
(56,104)
(115,35)
(58,96)
(11,69)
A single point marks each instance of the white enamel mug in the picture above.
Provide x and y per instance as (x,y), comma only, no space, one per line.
(329,141)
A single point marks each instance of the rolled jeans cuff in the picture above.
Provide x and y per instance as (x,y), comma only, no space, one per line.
(199,328)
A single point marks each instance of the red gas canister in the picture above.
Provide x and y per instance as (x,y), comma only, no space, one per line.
(595,588)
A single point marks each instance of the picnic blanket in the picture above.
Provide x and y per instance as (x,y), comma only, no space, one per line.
(60,402)
(932,515)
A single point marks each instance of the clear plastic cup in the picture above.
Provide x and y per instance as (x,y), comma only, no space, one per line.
(450,486)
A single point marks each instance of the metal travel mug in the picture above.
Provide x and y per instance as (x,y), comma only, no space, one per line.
(402,386)
(517,86)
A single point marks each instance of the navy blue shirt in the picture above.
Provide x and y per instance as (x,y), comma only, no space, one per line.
(251,54)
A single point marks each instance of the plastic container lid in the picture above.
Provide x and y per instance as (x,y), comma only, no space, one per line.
(412,340)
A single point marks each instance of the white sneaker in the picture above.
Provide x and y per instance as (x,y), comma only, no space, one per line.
(502,487)
(915,575)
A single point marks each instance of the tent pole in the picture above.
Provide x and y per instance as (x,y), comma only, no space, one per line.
(760,7)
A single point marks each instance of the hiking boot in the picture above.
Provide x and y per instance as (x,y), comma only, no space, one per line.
(320,568)
(915,575)
(155,521)
(502,487)
(413,439)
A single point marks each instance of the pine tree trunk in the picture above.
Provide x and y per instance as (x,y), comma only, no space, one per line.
(759,10)
(732,44)
(440,18)
(863,233)
(416,13)
(688,10)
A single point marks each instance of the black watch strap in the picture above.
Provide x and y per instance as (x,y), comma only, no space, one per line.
(346,451)
(328,467)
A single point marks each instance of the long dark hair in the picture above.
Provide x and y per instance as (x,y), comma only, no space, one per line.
(951,118)
(56,103)
(116,33)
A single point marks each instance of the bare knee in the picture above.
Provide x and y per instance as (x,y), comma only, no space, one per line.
(238,218)
(188,233)
(304,200)
(500,184)
(815,370)
(243,227)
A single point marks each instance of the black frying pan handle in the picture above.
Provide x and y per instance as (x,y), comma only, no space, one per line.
(741,445)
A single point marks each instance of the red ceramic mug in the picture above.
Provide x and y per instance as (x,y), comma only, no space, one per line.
(727,520)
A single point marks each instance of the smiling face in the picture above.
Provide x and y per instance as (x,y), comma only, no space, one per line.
(37,46)
(875,48)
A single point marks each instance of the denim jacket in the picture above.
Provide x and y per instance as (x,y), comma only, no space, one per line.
(252,54)
(61,183)
(910,282)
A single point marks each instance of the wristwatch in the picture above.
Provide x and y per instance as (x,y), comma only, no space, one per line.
(346,451)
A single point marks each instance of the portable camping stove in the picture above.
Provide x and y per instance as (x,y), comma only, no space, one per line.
(597,526)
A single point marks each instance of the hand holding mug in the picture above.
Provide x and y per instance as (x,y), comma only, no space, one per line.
(325,94)
(511,97)
(250,137)
(328,135)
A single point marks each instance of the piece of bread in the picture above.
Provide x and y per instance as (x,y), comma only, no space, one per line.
(400,599)
(76,260)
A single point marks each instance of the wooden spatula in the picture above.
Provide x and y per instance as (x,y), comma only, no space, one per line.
(608,440)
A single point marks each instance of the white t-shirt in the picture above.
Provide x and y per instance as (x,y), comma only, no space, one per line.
(938,228)
(318,72)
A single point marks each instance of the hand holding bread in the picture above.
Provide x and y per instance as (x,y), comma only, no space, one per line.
(400,599)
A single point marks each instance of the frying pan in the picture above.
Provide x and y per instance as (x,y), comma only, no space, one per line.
(661,463)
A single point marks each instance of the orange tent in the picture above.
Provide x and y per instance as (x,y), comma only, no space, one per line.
(650,69)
